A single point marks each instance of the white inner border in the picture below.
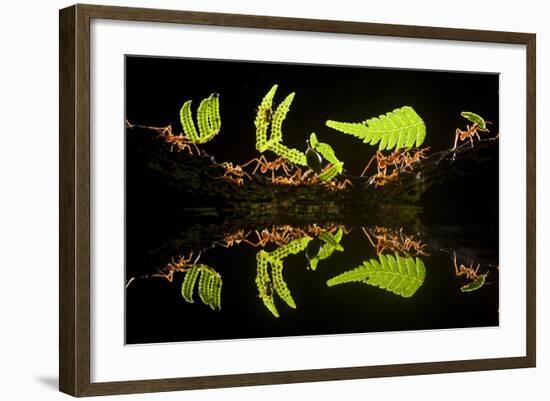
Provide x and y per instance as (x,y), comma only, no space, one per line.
(112,361)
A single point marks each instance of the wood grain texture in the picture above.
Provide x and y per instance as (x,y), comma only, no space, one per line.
(74,199)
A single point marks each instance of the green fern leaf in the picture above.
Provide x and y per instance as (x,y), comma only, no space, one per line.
(202,118)
(292,248)
(292,155)
(215,291)
(214,119)
(476,284)
(328,153)
(399,275)
(331,172)
(400,128)
(331,244)
(313,141)
(279,283)
(475,118)
(333,240)
(189,283)
(263,119)
(278,118)
(358,130)
(208,119)
(263,282)
(209,288)
(204,285)
(187,124)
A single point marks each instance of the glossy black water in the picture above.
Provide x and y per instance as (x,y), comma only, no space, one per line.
(156,311)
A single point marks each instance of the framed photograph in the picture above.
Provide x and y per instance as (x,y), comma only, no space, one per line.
(250,200)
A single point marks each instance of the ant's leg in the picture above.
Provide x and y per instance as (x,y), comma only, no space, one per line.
(458,132)
(262,162)
(250,161)
(368,164)
(259,162)
(285,168)
(456,266)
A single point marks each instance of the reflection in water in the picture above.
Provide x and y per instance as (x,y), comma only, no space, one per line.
(272,262)
(399,275)
(477,280)
(209,288)
(326,243)
(395,241)
(398,267)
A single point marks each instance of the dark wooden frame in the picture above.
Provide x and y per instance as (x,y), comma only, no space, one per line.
(74,193)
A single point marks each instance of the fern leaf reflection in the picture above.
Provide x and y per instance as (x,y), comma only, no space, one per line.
(209,287)
(331,243)
(397,274)
(269,274)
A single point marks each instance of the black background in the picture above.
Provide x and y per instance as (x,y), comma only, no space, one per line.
(155,90)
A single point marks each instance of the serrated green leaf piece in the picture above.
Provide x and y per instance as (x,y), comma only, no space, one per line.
(331,243)
(209,287)
(269,274)
(328,153)
(400,128)
(476,284)
(264,283)
(189,283)
(280,285)
(208,120)
(400,275)
(266,117)
(475,118)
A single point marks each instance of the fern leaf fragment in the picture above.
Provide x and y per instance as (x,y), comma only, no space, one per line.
(475,285)
(278,118)
(292,248)
(202,118)
(475,118)
(215,292)
(328,153)
(189,283)
(214,119)
(187,124)
(204,285)
(399,275)
(331,244)
(265,117)
(263,282)
(208,119)
(279,284)
(290,154)
(399,128)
